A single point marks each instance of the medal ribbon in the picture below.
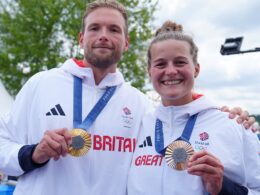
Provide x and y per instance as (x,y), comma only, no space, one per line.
(159,140)
(77,108)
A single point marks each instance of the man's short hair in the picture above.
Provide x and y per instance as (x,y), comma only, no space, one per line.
(113,4)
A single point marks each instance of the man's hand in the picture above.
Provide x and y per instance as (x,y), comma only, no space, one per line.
(54,144)
(243,116)
(209,168)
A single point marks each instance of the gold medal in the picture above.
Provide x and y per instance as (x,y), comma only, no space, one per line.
(81,142)
(178,153)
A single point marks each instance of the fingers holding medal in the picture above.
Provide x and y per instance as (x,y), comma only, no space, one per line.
(53,144)
(81,142)
(209,168)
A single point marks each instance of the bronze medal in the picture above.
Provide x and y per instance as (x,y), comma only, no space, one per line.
(178,153)
(81,142)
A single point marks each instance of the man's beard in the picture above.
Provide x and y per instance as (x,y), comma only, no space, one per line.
(102,62)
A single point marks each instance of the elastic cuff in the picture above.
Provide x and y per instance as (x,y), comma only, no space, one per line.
(25,158)
(231,188)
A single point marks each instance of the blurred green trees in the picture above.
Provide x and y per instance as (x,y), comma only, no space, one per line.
(38,35)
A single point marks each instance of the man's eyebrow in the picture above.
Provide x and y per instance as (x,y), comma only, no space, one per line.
(93,24)
(159,60)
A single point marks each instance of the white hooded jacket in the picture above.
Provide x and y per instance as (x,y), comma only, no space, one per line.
(236,148)
(46,103)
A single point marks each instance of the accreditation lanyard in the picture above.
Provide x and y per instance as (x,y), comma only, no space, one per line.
(159,140)
(77,107)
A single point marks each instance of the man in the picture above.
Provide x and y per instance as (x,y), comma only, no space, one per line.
(45,112)
(45,105)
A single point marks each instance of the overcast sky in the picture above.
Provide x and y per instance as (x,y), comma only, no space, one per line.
(232,80)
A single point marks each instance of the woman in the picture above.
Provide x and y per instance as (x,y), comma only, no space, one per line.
(187,144)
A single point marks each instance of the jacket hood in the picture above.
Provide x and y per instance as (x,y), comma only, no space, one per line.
(111,79)
(165,113)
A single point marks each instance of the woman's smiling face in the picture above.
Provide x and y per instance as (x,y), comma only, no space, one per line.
(172,71)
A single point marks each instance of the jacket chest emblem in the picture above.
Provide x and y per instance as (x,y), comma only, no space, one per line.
(56,111)
(201,141)
(127,118)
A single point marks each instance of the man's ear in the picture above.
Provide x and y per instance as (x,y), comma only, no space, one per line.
(80,39)
(127,41)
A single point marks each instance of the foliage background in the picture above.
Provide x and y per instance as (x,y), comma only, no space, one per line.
(37,35)
(257,118)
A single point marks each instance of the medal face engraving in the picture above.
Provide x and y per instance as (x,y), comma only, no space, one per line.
(77,142)
(81,142)
(177,154)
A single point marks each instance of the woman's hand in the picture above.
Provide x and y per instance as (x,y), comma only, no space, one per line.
(209,168)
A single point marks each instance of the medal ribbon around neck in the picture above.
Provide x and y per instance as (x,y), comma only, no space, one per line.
(179,151)
(81,139)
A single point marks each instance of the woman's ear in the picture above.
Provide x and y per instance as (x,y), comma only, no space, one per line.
(149,71)
(197,70)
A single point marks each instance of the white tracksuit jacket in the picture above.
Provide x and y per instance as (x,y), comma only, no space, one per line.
(236,147)
(46,103)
